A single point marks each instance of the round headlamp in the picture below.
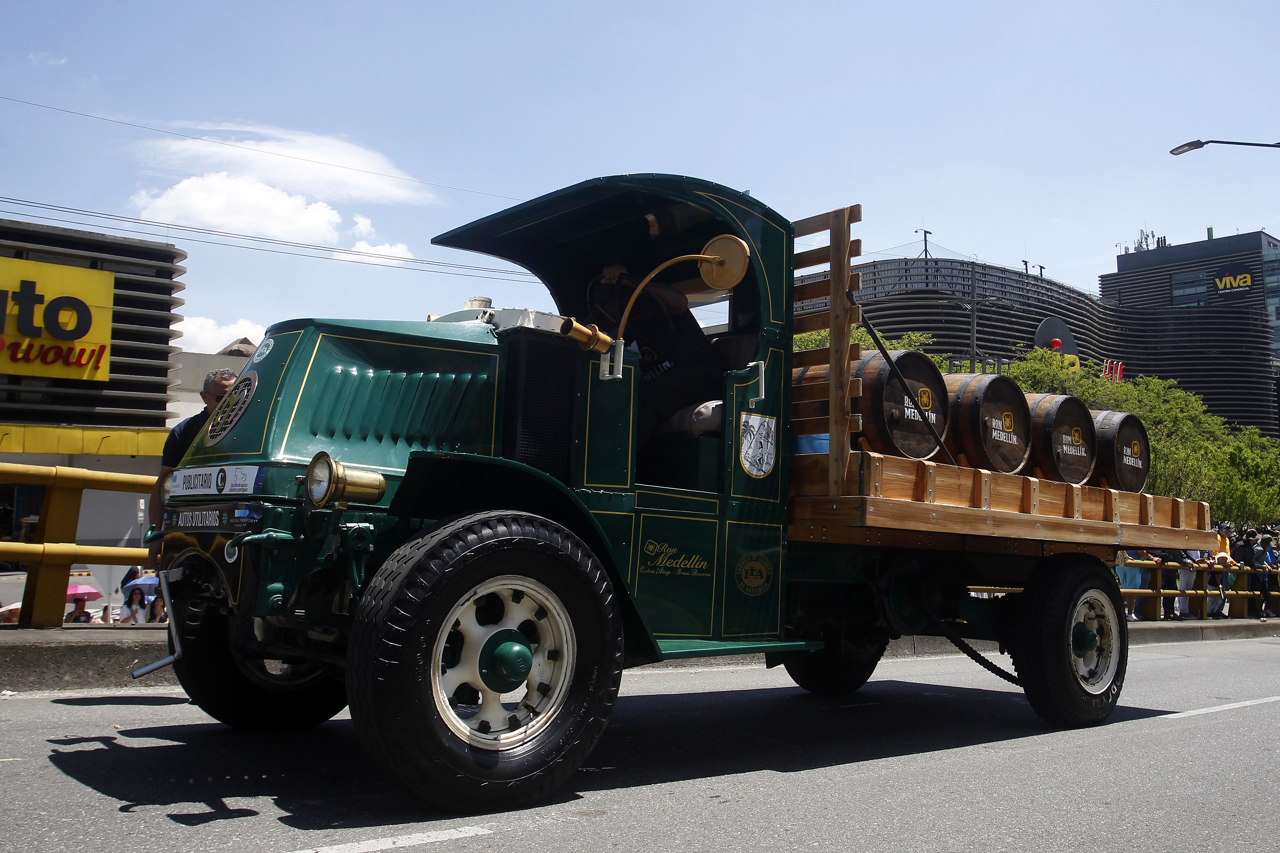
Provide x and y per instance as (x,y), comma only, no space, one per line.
(166,488)
(329,481)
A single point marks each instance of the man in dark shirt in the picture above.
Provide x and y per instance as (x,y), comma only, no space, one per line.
(216,385)
(79,615)
(1246,553)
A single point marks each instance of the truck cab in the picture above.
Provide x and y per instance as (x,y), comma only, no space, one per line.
(488,409)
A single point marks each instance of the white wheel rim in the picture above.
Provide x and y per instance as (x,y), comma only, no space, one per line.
(1093,623)
(492,720)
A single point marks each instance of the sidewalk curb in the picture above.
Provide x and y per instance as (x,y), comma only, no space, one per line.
(73,658)
(70,658)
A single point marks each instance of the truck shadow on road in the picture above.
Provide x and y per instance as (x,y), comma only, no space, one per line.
(321,779)
(666,738)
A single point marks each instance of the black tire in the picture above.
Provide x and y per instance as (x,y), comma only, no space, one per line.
(250,694)
(838,668)
(1071,646)
(424,670)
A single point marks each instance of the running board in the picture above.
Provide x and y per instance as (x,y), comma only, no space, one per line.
(682,648)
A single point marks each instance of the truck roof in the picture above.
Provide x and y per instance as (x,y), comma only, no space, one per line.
(567,237)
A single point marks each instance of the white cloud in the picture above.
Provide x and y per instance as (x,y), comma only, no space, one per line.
(243,205)
(253,157)
(41,58)
(203,334)
(363,227)
(388,251)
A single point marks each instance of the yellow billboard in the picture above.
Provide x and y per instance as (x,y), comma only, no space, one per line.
(55,320)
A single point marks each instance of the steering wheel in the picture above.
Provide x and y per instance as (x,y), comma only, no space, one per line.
(650,324)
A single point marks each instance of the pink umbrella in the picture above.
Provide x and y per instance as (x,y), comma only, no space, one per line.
(82,590)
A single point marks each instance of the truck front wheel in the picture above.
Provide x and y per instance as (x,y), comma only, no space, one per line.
(485,660)
(250,693)
(1071,644)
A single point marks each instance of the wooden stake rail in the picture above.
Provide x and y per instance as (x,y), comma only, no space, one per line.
(894,494)
(838,318)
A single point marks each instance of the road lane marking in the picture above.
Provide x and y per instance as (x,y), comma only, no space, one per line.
(396,841)
(1218,708)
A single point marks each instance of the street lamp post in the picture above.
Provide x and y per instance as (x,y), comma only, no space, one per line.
(1196,143)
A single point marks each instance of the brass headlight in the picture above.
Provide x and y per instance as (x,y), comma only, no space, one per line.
(329,481)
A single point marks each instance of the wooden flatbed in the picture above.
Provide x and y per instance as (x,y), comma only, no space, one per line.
(887,500)
(851,496)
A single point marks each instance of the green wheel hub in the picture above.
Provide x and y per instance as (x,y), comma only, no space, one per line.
(505,661)
(1083,640)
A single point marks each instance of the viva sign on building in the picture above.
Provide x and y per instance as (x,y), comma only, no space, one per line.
(55,320)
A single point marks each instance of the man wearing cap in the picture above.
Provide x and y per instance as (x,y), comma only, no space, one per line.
(1246,555)
(216,385)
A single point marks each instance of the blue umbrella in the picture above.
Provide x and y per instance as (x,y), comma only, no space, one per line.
(147,583)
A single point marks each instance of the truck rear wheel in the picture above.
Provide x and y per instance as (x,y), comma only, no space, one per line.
(248,693)
(840,667)
(1071,644)
(485,660)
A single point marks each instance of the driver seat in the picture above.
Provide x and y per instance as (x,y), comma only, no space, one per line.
(697,420)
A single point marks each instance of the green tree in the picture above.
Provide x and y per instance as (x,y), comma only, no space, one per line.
(858,335)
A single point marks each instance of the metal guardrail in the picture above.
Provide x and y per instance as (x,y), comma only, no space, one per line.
(50,556)
(1198,596)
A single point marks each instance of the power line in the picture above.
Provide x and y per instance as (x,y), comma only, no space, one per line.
(255,150)
(399,265)
(234,236)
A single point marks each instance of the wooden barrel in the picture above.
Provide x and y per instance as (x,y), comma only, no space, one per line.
(1063,439)
(1124,453)
(990,421)
(889,423)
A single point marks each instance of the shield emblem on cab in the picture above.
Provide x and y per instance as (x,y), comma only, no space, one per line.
(757,444)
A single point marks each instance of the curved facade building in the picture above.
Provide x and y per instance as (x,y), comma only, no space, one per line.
(1204,314)
(934,295)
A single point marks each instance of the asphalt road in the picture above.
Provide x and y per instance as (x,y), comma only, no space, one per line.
(933,754)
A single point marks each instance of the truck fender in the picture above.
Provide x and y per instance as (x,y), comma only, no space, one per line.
(439,484)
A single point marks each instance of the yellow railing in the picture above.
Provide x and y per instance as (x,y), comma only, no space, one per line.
(49,557)
(1198,597)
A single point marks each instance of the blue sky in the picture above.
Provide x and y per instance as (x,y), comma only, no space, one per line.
(1010,130)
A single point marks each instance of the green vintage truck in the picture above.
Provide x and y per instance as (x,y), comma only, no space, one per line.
(465,528)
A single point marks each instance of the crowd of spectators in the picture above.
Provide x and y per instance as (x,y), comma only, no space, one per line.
(1248,552)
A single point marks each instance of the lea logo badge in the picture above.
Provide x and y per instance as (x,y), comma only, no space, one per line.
(753,574)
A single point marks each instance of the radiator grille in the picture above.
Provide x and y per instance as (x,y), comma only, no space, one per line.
(426,411)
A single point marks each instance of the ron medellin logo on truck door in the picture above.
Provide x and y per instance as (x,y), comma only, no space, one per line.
(758,444)
(754,574)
